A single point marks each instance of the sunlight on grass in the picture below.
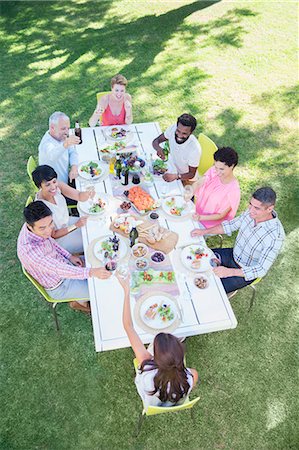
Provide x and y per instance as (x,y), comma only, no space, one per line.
(275,415)
(44,66)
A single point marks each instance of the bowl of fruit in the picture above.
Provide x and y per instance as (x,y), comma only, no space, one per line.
(158,257)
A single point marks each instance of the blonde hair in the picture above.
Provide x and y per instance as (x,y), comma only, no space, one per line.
(119,79)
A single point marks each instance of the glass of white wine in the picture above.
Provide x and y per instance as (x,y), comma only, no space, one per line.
(188,193)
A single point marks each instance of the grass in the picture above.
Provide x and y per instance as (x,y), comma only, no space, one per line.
(233,65)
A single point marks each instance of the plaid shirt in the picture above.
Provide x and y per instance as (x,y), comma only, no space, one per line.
(45,260)
(257,245)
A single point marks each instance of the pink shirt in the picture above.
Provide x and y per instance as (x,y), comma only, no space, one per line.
(214,197)
(109,119)
(45,260)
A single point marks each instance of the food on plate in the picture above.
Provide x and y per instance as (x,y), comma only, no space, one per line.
(110,247)
(151,276)
(196,257)
(139,250)
(131,163)
(124,222)
(154,216)
(151,312)
(118,133)
(141,263)
(158,257)
(175,210)
(165,312)
(125,206)
(116,147)
(92,168)
(154,234)
(159,167)
(97,206)
(142,201)
(201,282)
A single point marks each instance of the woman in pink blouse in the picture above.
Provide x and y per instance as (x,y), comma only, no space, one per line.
(218,193)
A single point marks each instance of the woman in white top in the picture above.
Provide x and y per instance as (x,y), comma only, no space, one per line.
(162,379)
(66,229)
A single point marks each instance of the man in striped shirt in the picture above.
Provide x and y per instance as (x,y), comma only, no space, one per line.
(60,273)
(257,245)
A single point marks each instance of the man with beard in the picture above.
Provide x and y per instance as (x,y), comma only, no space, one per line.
(57,150)
(185,150)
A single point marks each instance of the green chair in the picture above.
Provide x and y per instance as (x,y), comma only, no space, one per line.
(252,287)
(154,410)
(31,165)
(50,301)
(28,201)
(208,148)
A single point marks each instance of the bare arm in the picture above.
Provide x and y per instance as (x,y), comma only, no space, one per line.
(100,108)
(218,229)
(195,376)
(74,194)
(156,144)
(218,216)
(184,176)
(138,347)
(128,109)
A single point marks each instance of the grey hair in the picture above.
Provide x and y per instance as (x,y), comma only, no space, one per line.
(54,118)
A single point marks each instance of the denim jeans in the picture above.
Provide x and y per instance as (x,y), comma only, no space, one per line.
(230,284)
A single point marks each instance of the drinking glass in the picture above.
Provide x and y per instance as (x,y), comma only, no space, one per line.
(123,271)
(164,189)
(188,193)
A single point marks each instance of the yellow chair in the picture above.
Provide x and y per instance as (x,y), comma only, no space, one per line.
(31,165)
(50,301)
(253,288)
(28,201)
(208,148)
(154,410)
(99,95)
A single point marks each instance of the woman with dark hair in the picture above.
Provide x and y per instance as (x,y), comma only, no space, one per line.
(114,108)
(218,193)
(162,379)
(52,192)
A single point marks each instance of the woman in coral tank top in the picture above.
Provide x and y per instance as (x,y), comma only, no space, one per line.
(114,108)
(218,193)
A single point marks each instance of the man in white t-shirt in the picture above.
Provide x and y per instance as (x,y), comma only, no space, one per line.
(57,148)
(185,150)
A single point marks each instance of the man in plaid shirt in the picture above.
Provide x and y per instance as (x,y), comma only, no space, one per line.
(257,245)
(60,273)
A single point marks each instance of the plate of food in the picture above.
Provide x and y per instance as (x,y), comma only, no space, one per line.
(95,206)
(124,222)
(110,247)
(118,147)
(150,277)
(159,167)
(175,206)
(119,133)
(196,257)
(158,311)
(90,170)
(141,200)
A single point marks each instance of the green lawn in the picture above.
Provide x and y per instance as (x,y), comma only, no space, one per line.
(234,66)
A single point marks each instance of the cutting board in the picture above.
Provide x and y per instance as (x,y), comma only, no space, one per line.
(164,245)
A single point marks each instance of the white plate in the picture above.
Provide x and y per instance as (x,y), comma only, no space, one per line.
(99,252)
(178,202)
(127,138)
(204,261)
(157,322)
(131,148)
(85,206)
(87,176)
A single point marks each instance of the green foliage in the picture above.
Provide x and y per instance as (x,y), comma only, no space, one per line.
(231,64)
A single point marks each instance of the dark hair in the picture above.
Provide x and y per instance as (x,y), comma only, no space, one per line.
(36,211)
(188,121)
(43,173)
(265,195)
(226,155)
(170,381)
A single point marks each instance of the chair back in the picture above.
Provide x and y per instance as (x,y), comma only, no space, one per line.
(28,201)
(31,165)
(39,287)
(153,410)
(208,148)
(99,95)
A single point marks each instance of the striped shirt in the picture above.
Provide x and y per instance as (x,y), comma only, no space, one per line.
(45,260)
(257,245)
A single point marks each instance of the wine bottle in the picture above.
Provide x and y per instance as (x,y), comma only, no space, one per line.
(78,131)
(133,235)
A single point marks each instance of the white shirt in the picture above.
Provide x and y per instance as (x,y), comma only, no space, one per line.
(182,155)
(60,213)
(145,383)
(52,152)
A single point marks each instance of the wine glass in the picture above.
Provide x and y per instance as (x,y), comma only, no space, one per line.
(188,193)
(123,271)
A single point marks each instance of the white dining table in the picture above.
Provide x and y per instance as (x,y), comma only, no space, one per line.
(202,310)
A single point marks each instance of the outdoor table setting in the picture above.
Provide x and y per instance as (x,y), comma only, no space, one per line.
(173,288)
